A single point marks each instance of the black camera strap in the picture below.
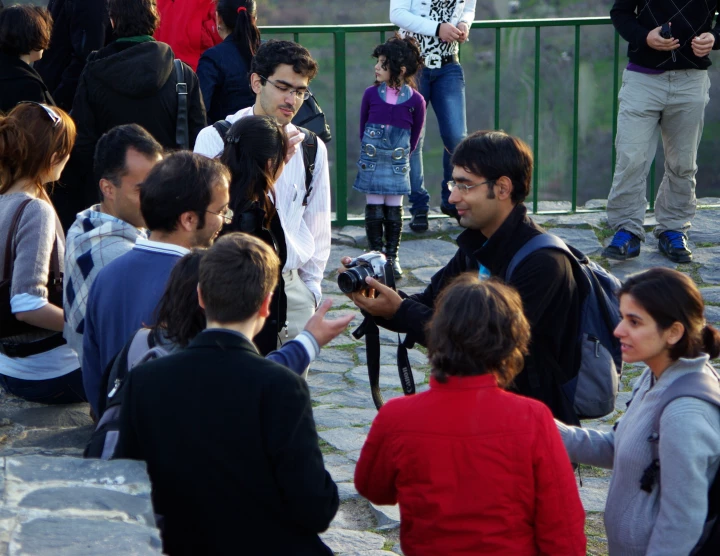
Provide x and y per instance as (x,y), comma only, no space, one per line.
(370,330)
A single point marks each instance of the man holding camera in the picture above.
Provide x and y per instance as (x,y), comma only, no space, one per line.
(664,90)
(492,172)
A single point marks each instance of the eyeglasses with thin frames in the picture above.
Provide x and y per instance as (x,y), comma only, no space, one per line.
(300,95)
(227,215)
(464,188)
(49,111)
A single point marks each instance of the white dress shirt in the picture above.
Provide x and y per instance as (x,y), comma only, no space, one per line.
(307,229)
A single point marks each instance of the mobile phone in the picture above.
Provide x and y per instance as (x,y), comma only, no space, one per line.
(665,31)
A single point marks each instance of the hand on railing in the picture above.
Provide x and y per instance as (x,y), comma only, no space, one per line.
(656,42)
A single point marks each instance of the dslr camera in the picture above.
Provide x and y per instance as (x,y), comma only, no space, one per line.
(373,264)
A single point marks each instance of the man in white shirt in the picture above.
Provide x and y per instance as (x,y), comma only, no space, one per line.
(280,74)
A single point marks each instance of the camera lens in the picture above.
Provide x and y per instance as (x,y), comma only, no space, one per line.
(353,280)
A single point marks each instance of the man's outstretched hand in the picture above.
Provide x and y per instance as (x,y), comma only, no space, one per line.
(324,330)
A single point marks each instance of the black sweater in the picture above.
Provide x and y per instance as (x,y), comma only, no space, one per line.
(19,82)
(549,295)
(694,19)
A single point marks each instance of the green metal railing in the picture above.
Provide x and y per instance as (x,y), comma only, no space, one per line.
(339,125)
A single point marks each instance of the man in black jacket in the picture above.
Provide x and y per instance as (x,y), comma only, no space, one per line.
(80,26)
(130,81)
(664,91)
(492,172)
(228,436)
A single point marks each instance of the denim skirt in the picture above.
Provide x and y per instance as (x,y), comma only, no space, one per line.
(384,164)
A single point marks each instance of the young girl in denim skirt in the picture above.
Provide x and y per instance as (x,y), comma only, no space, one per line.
(391,118)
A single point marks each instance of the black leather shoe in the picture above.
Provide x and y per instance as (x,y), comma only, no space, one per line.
(419,221)
(673,245)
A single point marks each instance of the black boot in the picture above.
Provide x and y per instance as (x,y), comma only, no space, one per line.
(393,231)
(374,217)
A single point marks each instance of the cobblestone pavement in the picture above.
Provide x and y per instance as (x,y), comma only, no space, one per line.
(339,385)
(338,379)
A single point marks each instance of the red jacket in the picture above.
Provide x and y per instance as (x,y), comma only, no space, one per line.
(189,27)
(476,470)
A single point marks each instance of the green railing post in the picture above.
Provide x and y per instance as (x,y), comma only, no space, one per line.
(296,37)
(498,31)
(341,204)
(616,90)
(576,118)
(536,122)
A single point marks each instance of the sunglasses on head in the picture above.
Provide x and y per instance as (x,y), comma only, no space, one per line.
(49,111)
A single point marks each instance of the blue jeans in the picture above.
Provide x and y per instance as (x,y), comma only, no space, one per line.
(60,390)
(444,89)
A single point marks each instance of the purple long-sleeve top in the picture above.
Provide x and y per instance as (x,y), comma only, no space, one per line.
(408,115)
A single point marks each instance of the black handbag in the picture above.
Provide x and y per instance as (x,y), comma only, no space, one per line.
(311,116)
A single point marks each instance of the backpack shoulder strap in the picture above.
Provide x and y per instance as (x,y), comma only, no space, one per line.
(222,127)
(542,241)
(139,346)
(693,385)
(182,134)
(310,150)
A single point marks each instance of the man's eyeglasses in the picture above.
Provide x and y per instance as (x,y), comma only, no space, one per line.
(464,188)
(226,215)
(300,95)
(49,111)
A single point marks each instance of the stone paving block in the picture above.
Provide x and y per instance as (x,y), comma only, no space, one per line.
(706,255)
(425,274)
(712,314)
(593,493)
(621,401)
(137,507)
(358,396)
(388,517)
(704,227)
(345,439)
(397,549)
(343,417)
(33,469)
(346,540)
(584,240)
(648,258)
(388,356)
(356,234)
(83,537)
(336,253)
(49,416)
(710,273)
(51,439)
(347,491)
(426,252)
(344,339)
(333,360)
(389,377)
(368,553)
(711,294)
(353,455)
(319,382)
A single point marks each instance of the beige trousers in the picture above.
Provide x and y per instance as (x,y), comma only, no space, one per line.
(300,307)
(671,105)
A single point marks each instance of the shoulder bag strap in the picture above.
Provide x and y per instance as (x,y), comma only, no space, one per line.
(9,251)
(182,133)
(310,150)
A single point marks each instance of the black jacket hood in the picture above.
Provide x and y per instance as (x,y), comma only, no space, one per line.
(132,69)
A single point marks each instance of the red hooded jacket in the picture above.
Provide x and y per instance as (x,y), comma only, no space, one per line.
(189,27)
(476,470)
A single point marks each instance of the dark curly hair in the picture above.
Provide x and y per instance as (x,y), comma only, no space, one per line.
(670,296)
(274,52)
(178,316)
(478,328)
(132,18)
(24,29)
(400,52)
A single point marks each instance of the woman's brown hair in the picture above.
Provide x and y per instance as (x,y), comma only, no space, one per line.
(478,327)
(670,296)
(32,141)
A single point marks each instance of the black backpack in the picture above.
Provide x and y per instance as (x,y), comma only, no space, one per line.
(140,349)
(310,149)
(704,387)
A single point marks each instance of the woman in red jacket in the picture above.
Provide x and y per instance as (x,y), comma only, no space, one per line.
(475,469)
